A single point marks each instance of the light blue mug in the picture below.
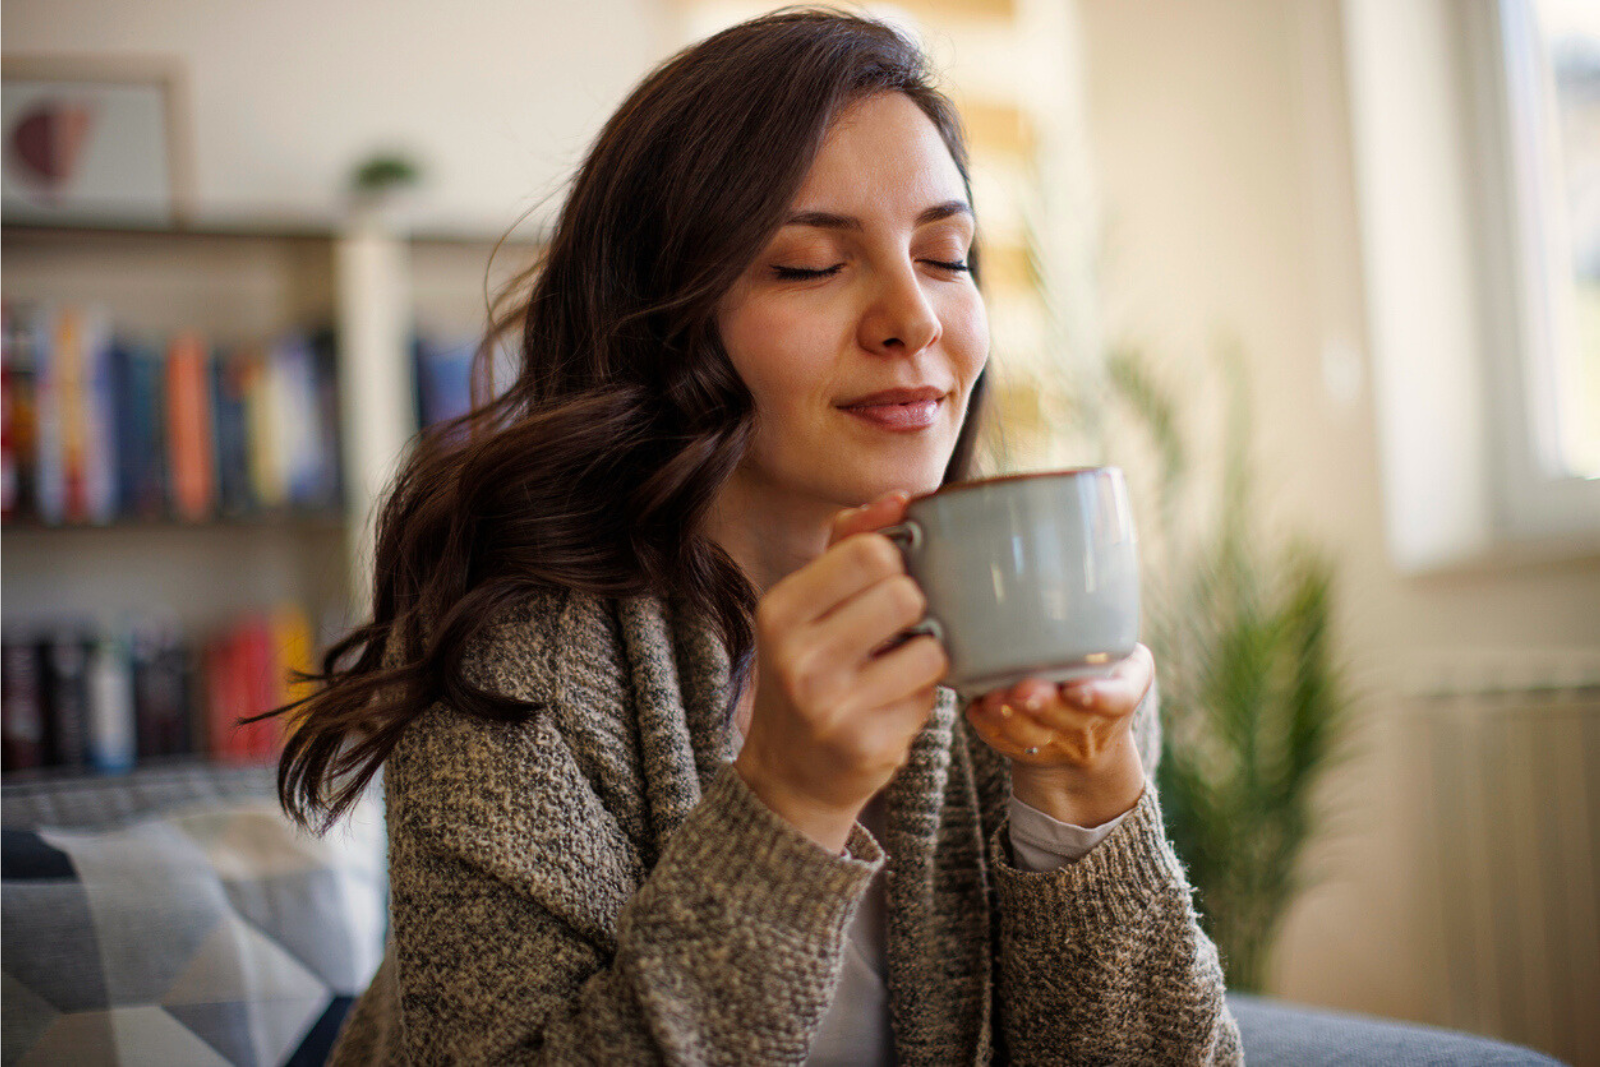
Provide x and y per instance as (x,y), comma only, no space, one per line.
(1026,576)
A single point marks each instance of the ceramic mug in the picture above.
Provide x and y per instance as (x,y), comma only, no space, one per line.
(1028,575)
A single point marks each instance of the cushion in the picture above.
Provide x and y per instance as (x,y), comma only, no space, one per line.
(1280,1034)
(209,932)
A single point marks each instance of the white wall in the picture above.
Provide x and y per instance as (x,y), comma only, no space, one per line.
(497,97)
(1222,136)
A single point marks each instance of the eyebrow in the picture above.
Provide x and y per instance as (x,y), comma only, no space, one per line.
(827,220)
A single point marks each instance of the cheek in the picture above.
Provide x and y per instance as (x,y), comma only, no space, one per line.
(776,351)
(966,333)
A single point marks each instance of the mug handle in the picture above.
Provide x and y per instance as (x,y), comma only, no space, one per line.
(907,536)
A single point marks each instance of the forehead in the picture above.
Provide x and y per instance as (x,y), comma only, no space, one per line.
(881,155)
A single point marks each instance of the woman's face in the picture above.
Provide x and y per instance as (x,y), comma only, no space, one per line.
(858,329)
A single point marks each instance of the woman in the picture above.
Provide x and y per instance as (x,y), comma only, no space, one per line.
(662,785)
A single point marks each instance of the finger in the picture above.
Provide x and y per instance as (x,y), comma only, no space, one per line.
(915,665)
(1060,717)
(1031,693)
(994,703)
(900,721)
(865,622)
(988,727)
(858,562)
(1120,690)
(1004,736)
(1025,730)
(887,510)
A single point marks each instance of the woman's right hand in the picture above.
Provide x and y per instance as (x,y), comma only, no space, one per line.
(833,717)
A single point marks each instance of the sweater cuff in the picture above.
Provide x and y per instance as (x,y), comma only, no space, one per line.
(766,869)
(1113,883)
(1040,842)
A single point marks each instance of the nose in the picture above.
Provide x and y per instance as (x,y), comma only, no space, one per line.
(900,320)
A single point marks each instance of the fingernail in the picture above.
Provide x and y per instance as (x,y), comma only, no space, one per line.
(1089,696)
(1034,703)
(1005,711)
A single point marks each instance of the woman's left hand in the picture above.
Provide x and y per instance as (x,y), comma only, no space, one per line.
(1071,744)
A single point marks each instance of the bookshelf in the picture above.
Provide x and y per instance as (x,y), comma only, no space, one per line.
(281,576)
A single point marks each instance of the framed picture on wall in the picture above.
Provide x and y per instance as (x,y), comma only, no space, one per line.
(95,140)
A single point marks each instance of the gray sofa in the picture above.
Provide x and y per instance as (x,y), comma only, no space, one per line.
(172,917)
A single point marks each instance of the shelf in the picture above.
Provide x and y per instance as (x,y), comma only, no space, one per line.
(294,520)
(147,769)
(255,231)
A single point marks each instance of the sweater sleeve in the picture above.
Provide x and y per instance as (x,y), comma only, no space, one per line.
(524,931)
(1103,960)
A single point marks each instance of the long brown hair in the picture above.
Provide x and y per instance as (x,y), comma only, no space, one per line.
(595,469)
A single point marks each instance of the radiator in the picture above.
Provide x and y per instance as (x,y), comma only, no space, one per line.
(1511,861)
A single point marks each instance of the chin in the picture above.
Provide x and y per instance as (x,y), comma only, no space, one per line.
(918,479)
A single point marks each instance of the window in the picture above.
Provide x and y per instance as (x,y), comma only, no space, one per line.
(1476,139)
(1550,53)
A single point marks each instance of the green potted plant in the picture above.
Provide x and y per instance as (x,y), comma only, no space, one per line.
(1256,705)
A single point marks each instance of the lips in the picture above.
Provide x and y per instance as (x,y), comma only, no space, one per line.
(898,410)
(896,396)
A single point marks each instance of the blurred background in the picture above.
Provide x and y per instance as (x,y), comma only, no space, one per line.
(1323,275)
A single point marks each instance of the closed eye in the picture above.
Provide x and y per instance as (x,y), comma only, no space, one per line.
(801,273)
(798,274)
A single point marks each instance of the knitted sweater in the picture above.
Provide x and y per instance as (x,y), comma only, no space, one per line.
(597,886)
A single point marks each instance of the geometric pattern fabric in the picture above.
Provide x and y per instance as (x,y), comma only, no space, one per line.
(213,934)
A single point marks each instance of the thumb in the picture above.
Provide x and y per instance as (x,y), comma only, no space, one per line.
(887,510)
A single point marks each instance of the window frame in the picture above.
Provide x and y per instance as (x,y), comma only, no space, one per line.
(1453,291)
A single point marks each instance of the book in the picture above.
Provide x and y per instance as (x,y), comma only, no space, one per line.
(305,457)
(223,701)
(22,734)
(293,651)
(8,388)
(22,411)
(65,656)
(236,493)
(240,681)
(110,721)
(162,690)
(36,336)
(138,375)
(191,442)
(444,379)
(100,402)
(324,346)
(267,482)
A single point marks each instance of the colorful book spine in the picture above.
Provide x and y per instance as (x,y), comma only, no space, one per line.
(23,412)
(190,428)
(139,374)
(72,410)
(223,699)
(325,347)
(267,480)
(22,712)
(162,680)
(302,451)
(111,734)
(262,685)
(66,688)
(444,379)
(8,389)
(50,484)
(100,403)
(235,494)
(294,651)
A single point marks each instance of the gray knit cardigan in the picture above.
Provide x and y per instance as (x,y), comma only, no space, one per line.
(596,885)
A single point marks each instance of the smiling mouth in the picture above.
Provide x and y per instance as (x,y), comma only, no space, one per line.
(898,417)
